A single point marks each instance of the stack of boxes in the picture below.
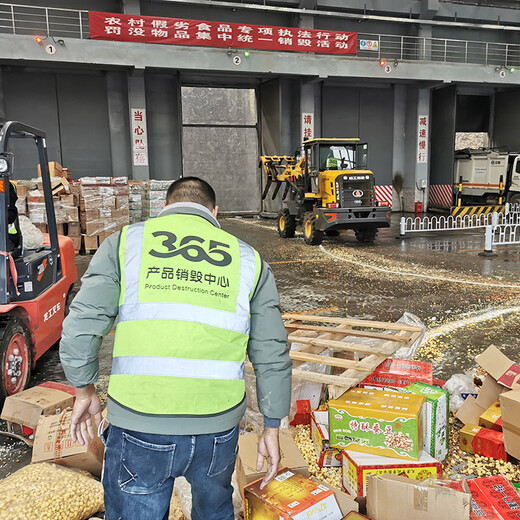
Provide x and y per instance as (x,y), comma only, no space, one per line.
(153,197)
(135,203)
(92,208)
(104,208)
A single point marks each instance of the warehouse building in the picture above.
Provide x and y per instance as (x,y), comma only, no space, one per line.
(163,88)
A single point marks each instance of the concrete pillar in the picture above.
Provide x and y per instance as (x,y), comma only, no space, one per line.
(416,171)
(137,99)
(131,6)
(425,46)
(119,125)
(399,145)
(164,117)
(2,102)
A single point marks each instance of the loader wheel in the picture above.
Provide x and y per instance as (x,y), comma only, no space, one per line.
(311,235)
(15,352)
(366,236)
(286,224)
(514,199)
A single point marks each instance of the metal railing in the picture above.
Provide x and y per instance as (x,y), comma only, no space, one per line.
(43,21)
(447,223)
(447,50)
(504,235)
(72,23)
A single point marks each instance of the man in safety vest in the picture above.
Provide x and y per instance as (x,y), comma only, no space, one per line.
(14,236)
(190,300)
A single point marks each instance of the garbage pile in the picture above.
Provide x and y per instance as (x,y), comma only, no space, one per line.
(387,449)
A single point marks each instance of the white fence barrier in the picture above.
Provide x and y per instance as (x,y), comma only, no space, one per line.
(503,235)
(448,223)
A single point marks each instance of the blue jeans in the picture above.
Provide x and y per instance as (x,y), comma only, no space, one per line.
(140,469)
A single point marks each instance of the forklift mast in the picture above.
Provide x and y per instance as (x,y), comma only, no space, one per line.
(15,130)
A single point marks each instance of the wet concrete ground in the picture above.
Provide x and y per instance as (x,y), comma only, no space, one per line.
(466,301)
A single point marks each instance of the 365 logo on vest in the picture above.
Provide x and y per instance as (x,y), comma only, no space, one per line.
(192,248)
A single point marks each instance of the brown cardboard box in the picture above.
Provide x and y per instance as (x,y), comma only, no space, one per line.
(91,243)
(472,409)
(52,443)
(73,229)
(355,516)
(76,241)
(94,227)
(390,497)
(505,374)
(22,411)
(55,169)
(247,451)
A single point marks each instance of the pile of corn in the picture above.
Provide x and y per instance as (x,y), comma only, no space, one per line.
(50,492)
(460,464)
(331,476)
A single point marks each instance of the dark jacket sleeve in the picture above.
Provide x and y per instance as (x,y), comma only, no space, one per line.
(12,212)
(268,349)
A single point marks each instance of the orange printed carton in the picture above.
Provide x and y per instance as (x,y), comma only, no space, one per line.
(290,496)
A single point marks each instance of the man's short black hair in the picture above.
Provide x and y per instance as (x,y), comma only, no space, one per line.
(191,189)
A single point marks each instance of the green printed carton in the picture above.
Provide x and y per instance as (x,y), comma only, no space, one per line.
(375,421)
(436,416)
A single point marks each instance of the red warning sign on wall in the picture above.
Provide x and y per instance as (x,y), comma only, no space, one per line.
(153,29)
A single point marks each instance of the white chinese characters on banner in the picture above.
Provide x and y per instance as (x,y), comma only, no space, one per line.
(422,140)
(307,126)
(139,136)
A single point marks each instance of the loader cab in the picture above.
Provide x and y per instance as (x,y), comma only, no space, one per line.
(327,156)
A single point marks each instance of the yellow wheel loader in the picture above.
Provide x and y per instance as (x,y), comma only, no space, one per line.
(328,189)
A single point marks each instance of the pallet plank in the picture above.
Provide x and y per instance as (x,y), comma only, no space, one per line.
(351,322)
(327,360)
(348,332)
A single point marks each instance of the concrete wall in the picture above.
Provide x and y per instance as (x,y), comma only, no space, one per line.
(507,117)
(367,113)
(71,108)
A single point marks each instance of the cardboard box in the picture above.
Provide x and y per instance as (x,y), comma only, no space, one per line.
(91,243)
(358,466)
(356,516)
(482,441)
(472,409)
(326,456)
(76,242)
(493,498)
(399,373)
(291,496)
(390,497)
(73,229)
(55,169)
(436,416)
(503,374)
(374,421)
(246,472)
(510,407)
(22,411)
(52,443)
(492,417)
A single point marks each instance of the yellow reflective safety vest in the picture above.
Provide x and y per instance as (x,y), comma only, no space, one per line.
(183,325)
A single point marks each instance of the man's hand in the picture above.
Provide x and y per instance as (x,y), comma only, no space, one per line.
(87,405)
(268,448)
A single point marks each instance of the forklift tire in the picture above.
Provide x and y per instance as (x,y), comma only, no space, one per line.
(311,235)
(366,236)
(286,224)
(16,358)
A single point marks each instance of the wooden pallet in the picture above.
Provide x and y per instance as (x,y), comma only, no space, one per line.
(315,334)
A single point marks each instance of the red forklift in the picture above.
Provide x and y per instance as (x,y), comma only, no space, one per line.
(36,286)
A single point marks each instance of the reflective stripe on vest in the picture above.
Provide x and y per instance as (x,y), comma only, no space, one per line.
(11,229)
(183,323)
(177,367)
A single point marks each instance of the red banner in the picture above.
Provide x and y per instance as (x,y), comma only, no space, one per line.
(152,29)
